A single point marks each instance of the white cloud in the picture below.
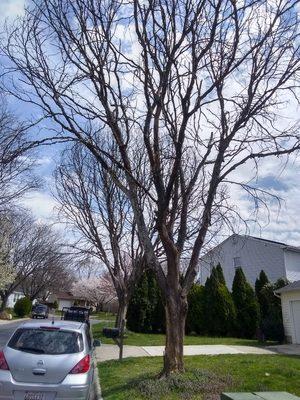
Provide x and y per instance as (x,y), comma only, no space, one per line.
(11,8)
(41,204)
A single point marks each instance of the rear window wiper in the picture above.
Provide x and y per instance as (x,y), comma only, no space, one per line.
(31,349)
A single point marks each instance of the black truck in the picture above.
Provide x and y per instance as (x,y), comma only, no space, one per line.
(76,313)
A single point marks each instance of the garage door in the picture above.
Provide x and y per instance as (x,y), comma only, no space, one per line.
(65,303)
(296,319)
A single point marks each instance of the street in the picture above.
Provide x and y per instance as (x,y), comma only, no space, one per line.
(6,330)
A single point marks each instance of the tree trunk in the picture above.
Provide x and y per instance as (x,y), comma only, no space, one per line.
(176,312)
(122,311)
(4,298)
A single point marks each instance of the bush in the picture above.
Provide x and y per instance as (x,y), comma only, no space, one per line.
(5,315)
(271,323)
(55,305)
(23,307)
(261,282)
(145,310)
(247,308)
(219,310)
(195,317)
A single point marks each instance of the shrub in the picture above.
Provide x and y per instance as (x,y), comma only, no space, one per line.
(247,308)
(55,304)
(263,301)
(5,315)
(219,310)
(195,316)
(271,322)
(23,307)
(146,310)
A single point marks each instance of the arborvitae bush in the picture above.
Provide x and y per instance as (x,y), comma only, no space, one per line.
(137,308)
(247,308)
(220,275)
(271,322)
(263,301)
(195,318)
(22,307)
(219,310)
(146,311)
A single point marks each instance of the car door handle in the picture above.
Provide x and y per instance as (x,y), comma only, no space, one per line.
(38,371)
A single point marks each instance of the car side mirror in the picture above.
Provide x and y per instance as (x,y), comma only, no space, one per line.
(96,343)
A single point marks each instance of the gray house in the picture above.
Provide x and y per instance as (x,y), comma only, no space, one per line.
(253,254)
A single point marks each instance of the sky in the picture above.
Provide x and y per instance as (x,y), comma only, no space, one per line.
(279,223)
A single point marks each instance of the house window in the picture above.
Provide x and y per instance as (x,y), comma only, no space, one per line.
(237,262)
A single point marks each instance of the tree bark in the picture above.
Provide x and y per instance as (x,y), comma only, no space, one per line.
(4,298)
(176,312)
(122,311)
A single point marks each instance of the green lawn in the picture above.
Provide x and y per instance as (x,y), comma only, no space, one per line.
(136,378)
(146,339)
(103,316)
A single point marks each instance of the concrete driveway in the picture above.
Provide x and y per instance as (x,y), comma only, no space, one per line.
(288,349)
(7,328)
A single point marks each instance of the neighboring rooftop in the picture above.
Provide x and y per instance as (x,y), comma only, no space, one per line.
(66,296)
(289,288)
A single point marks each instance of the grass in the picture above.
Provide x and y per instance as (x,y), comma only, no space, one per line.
(104,316)
(136,378)
(148,339)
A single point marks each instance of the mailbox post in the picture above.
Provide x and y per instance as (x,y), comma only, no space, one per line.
(117,334)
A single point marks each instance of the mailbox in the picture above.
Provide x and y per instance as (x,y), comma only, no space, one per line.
(111,333)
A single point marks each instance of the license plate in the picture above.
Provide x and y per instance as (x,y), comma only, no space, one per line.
(34,396)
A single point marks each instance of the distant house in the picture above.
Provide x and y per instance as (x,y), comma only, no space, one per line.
(13,297)
(253,254)
(67,299)
(290,303)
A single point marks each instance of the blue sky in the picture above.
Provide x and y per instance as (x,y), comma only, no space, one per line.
(274,175)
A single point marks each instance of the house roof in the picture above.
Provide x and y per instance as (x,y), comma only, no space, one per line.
(284,246)
(66,296)
(289,288)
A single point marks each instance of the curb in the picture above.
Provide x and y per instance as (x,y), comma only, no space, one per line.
(11,321)
(98,394)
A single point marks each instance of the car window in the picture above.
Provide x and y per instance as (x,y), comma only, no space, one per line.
(46,341)
(88,336)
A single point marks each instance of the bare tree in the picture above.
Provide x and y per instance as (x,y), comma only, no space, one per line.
(16,158)
(30,248)
(52,274)
(93,204)
(200,87)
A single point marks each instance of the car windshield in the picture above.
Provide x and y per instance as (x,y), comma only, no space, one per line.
(40,308)
(46,341)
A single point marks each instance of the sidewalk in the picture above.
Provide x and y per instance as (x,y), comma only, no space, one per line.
(111,352)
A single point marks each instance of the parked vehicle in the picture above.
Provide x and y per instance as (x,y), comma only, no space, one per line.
(76,313)
(47,362)
(40,311)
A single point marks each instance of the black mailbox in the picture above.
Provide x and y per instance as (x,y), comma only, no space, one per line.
(111,333)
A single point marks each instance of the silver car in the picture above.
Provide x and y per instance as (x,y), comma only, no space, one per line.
(48,361)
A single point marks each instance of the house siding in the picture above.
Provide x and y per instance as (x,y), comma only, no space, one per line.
(292,265)
(12,299)
(288,322)
(252,254)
